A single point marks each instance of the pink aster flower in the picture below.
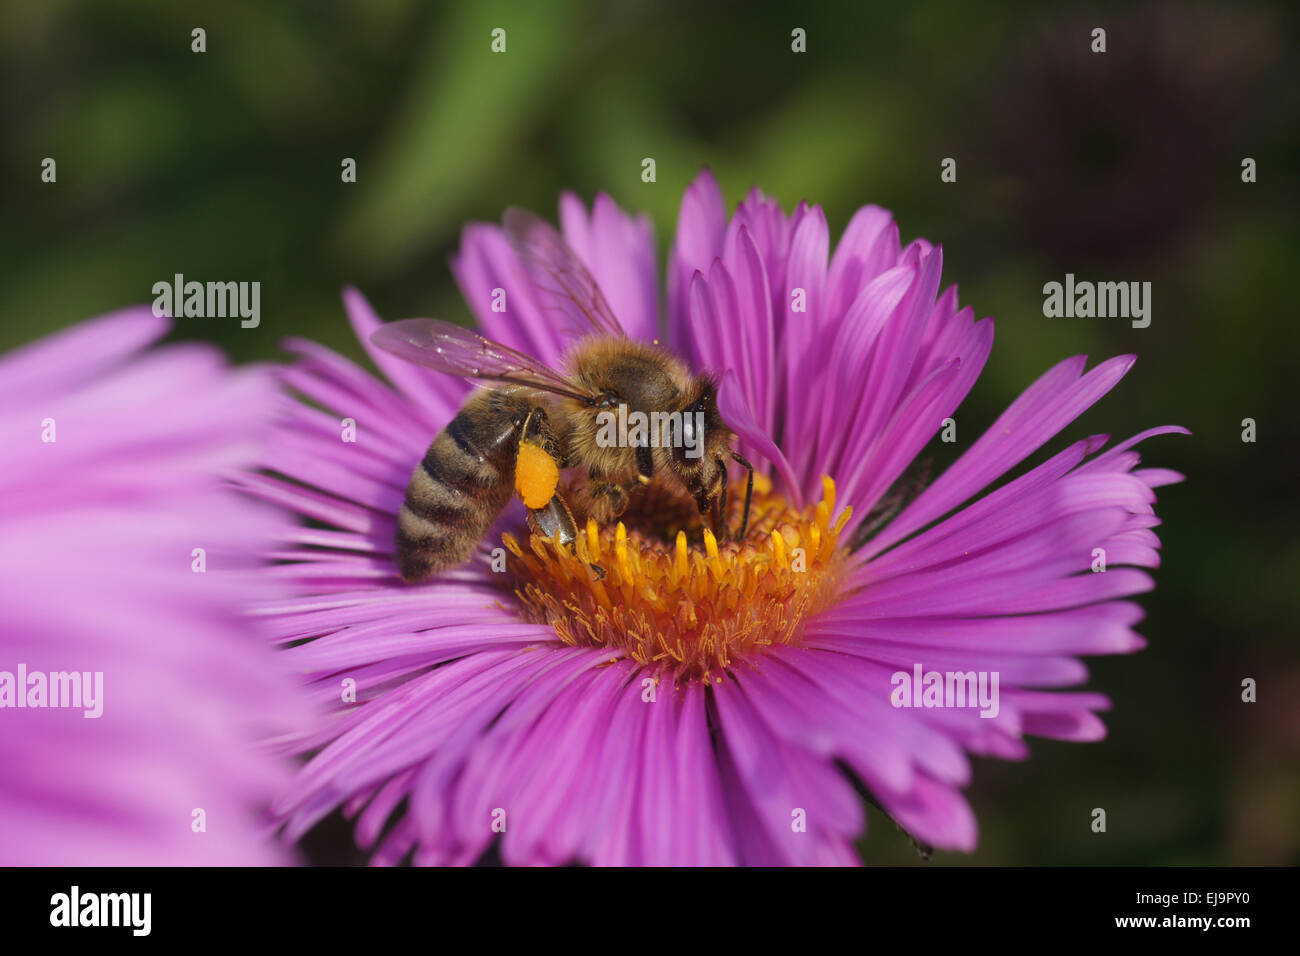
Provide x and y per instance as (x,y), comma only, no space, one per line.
(705,701)
(131,694)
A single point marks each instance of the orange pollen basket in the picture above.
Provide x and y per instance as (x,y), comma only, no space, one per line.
(673,597)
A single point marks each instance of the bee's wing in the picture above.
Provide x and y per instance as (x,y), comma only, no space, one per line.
(459,351)
(562,280)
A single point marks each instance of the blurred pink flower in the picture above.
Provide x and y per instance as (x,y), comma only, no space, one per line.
(113,457)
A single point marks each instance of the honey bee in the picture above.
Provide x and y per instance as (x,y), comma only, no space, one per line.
(537,421)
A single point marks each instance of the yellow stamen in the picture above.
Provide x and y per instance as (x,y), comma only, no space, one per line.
(843,519)
(778,548)
(828,493)
(620,551)
(678,599)
(512,544)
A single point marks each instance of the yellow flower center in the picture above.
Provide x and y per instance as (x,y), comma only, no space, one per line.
(660,588)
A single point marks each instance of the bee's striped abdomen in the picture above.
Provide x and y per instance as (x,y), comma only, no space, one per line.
(458,489)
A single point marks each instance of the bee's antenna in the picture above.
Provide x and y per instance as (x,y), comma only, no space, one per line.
(749,493)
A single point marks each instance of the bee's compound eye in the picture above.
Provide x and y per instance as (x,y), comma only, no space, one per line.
(689,438)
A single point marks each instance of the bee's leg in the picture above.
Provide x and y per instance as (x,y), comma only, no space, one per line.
(538,460)
(749,494)
(554,520)
(537,430)
(645,464)
(608,501)
(532,423)
(551,518)
(720,504)
(537,473)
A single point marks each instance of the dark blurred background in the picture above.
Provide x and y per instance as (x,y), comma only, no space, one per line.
(1117,166)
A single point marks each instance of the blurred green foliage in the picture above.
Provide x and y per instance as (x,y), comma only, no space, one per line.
(1122,166)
